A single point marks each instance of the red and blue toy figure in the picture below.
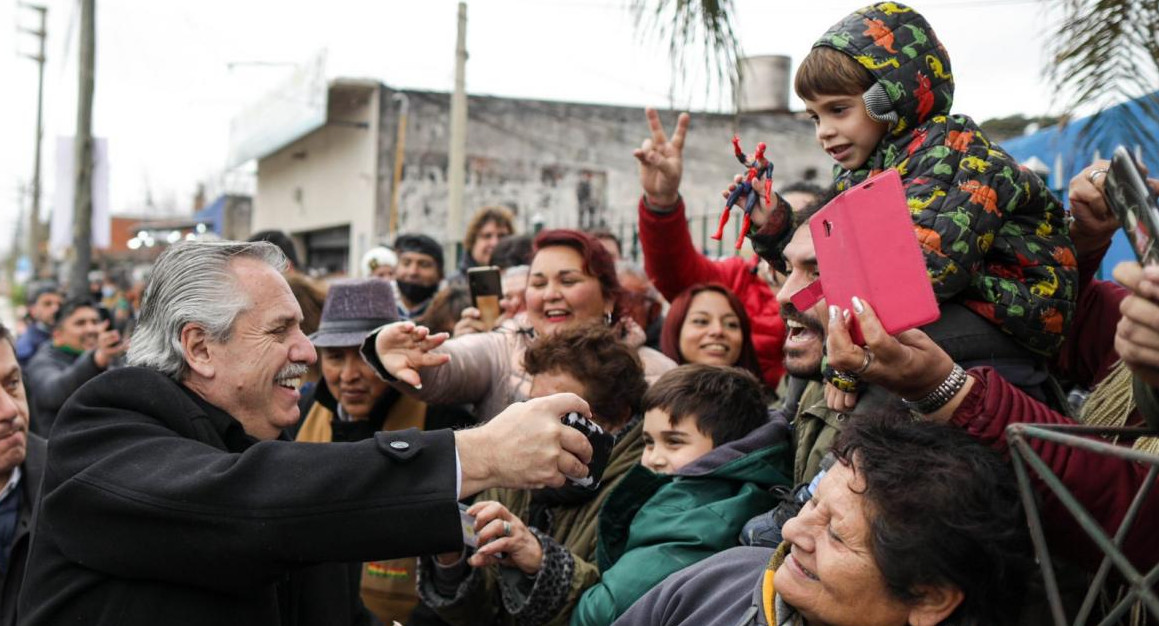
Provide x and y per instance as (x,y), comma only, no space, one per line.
(759,169)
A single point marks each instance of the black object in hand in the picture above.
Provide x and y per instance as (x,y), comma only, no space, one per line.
(601,442)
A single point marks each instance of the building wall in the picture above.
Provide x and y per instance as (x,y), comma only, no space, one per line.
(327,178)
(571,164)
(560,164)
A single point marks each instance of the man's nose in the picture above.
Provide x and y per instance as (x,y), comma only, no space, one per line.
(302,351)
(9,409)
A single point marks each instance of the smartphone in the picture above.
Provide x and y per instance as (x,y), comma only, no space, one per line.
(467,521)
(1135,204)
(486,290)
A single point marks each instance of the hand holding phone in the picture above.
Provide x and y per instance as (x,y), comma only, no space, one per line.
(486,289)
(602,444)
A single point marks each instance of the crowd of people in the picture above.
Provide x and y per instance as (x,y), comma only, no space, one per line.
(235,442)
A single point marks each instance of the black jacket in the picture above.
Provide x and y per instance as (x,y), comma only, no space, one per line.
(33,472)
(53,375)
(158,508)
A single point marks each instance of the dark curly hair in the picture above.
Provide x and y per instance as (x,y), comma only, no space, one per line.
(608,368)
(944,510)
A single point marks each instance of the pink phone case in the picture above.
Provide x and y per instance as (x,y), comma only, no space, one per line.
(866,247)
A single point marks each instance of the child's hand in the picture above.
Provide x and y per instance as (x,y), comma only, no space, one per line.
(760,213)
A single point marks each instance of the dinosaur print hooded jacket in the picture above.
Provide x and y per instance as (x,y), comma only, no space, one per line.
(993,235)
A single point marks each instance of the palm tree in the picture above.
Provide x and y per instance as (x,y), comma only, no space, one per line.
(691,28)
(1104,52)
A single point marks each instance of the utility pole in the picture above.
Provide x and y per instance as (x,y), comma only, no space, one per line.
(457,159)
(34,212)
(82,221)
(399,156)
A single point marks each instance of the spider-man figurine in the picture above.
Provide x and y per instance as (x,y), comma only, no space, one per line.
(759,168)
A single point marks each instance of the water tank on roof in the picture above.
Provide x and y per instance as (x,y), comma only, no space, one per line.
(764,84)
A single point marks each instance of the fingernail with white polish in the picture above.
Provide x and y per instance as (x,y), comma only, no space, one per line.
(858,306)
(833,310)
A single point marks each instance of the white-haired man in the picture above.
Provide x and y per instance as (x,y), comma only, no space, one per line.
(168,502)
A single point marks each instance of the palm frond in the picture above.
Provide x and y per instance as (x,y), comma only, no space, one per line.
(692,29)
(1105,52)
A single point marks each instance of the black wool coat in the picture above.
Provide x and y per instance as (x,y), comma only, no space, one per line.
(158,508)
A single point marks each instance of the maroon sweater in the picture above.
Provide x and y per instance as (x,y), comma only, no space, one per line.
(1104,485)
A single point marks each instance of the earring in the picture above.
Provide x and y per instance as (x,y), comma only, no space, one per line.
(607,318)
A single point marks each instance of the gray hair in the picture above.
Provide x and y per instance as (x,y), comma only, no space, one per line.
(192,282)
(631,268)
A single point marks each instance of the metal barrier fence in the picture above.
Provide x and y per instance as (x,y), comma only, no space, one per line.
(1140,586)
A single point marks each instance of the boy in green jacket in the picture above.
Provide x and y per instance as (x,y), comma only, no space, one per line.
(711,453)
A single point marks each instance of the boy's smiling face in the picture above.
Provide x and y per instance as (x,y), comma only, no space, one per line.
(668,447)
(844,128)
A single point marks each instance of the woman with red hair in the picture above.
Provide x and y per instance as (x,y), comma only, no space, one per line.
(707,324)
(572,282)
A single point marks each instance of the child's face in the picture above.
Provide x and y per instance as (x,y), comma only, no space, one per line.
(668,448)
(844,128)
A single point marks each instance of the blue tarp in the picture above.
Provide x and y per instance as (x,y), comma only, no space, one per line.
(1066,155)
(211,215)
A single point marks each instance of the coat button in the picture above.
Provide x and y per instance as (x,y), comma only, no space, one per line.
(399,445)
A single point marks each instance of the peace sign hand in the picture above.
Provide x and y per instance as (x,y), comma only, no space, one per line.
(662,161)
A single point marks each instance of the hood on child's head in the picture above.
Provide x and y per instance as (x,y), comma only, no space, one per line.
(899,48)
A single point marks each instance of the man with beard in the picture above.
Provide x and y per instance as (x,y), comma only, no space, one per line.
(418,273)
(82,347)
(781,236)
(21,468)
(170,500)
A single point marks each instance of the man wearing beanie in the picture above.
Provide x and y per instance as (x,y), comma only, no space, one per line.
(418,274)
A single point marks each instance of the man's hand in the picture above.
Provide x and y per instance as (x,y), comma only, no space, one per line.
(662,161)
(109,346)
(525,447)
(403,348)
(1137,336)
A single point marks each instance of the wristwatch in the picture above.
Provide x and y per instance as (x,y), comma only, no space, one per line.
(941,395)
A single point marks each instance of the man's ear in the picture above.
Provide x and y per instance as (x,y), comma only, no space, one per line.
(935,605)
(195,346)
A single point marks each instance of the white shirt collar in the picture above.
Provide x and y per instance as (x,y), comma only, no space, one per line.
(13,482)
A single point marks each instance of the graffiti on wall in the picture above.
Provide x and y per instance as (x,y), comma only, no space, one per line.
(558,196)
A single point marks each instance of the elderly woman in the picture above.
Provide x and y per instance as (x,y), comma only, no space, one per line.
(536,551)
(880,544)
(572,282)
(707,324)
